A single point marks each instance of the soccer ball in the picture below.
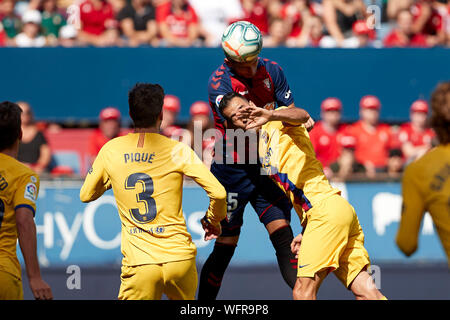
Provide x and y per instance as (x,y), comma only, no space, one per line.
(242,41)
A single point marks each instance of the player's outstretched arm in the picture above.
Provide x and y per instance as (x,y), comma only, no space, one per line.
(26,230)
(193,167)
(412,213)
(96,181)
(259,116)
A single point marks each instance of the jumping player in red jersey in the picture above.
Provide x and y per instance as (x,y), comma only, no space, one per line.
(263,82)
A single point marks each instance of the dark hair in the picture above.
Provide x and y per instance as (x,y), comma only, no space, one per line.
(145,101)
(10,124)
(440,112)
(226,99)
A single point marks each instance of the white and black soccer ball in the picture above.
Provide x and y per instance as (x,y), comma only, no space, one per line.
(242,41)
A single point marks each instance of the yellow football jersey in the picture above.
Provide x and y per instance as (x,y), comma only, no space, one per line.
(19,187)
(426,187)
(288,157)
(145,171)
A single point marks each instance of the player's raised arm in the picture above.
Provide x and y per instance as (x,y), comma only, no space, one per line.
(412,214)
(260,116)
(96,182)
(194,168)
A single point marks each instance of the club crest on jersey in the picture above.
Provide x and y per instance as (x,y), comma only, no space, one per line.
(30,192)
(267,83)
(218,99)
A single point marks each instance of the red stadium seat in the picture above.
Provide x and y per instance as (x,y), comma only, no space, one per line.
(70,140)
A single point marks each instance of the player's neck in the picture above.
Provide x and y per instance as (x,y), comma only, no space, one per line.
(12,151)
(146,130)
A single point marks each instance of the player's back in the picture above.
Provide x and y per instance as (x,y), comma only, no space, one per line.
(19,186)
(146,172)
(430,176)
(288,156)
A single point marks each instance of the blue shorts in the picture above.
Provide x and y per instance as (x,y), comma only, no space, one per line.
(244,183)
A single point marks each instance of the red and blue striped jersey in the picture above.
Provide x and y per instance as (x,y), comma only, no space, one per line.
(267,89)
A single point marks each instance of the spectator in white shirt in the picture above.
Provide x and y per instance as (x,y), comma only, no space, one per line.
(30,35)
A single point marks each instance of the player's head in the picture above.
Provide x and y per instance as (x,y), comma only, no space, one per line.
(145,101)
(440,112)
(331,109)
(229,105)
(10,124)
(241,44)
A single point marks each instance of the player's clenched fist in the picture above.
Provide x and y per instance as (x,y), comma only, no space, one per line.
(295,244)
(41,290)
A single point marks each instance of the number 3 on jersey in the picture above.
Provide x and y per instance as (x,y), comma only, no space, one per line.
(144,197)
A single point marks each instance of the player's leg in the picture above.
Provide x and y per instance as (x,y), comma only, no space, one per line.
(10,287)
(274,211)
(144,282)
(180,279)
(239,189)
(306,287)
(354,262)
(364,288)
(324,240)
(215,266)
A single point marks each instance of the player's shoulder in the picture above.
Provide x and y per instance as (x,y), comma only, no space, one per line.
(272,67)
(17,170)
(429,160)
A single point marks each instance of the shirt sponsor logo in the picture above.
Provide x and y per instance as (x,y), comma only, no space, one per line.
(287,94)
(30,192)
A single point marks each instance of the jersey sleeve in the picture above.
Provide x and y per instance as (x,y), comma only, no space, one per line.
(194,168)
(27,192)
(97,181)
(413,208)
(219,84)
(283,94)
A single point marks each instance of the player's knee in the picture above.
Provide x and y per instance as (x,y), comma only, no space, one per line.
(303,291)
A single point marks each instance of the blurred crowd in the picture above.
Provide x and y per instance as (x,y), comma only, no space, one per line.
(366,149)
(188,23)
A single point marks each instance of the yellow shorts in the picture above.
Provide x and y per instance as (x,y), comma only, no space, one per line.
(333,240)
(177,280)
(10,287)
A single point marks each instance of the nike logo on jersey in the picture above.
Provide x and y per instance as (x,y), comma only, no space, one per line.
(302,266)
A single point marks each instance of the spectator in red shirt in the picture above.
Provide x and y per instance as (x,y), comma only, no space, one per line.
(178,23)
(428,21)
(278,34)
(295,13)
(98,25)
(203,144)
(312,32)
(171,108)
(2,35)
(326,135)
(109,128)
(372,138)
(256,13)
(415,136)
(346,166)
(403,35)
